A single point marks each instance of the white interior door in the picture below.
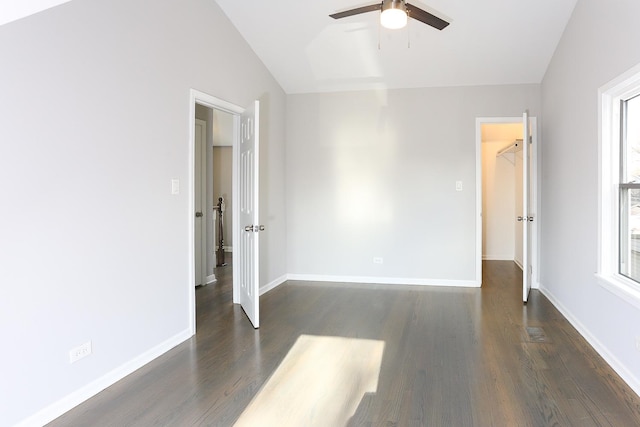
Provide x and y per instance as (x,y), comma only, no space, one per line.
(200,198)
(526,218)
(248,215)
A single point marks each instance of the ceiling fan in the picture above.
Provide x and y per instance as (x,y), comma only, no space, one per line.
(394,14)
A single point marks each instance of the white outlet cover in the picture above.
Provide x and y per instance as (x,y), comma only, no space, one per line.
(80,352)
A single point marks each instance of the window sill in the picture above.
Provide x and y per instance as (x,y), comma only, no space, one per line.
(620,286)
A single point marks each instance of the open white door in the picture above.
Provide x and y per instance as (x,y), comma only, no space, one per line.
(249,220)
(200,198)
(527,217)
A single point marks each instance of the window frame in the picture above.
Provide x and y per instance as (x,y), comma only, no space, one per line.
(610,100)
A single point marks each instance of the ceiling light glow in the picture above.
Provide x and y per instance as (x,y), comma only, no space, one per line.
(394,14)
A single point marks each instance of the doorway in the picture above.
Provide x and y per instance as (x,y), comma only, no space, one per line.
(500,192)
(216,185)
(210,111)
(244,203)
(501,164)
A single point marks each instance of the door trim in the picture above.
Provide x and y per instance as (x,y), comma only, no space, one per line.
(535,191)
(202,98)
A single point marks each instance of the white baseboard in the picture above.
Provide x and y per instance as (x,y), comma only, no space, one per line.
(626,375)
(384,280)
(211,279)
(273,284)
(497,257)
(72,400)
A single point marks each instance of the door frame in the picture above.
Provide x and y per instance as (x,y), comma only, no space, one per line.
(535,194)
(204,99)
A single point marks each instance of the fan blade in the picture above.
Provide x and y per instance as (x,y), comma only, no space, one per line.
(426,17)
(357,11)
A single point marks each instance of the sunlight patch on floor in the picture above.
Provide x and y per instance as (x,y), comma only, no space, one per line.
(320,382)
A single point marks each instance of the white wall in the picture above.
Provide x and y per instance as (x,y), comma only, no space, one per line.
(373,173)
(95,124)
(222,129)
(599,43)
(498,201)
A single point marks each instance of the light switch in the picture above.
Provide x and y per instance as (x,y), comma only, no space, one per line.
(175,186)
(458,185)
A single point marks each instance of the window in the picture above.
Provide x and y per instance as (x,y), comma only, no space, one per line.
(619,230)
(629,189)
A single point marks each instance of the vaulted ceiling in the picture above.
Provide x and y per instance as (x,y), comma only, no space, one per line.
(489,42)
(12,10)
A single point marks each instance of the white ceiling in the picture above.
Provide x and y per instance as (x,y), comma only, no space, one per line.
(12,10)
(488,42)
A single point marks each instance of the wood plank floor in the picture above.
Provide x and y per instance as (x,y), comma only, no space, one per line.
(452,357)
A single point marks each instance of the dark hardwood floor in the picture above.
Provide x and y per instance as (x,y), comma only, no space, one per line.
(452,357)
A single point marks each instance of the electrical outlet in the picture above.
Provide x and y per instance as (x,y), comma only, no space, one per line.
(80,352)
(458,185)
(638,342)
(378,260)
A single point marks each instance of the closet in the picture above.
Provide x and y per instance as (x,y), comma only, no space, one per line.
(501,191)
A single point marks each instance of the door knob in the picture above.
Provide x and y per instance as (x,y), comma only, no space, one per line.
(520,218)
(198,214)
(261,228)
(248,228)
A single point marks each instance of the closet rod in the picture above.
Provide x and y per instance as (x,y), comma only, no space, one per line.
(511,148)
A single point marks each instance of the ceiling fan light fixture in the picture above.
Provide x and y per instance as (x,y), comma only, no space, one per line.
(394,14)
